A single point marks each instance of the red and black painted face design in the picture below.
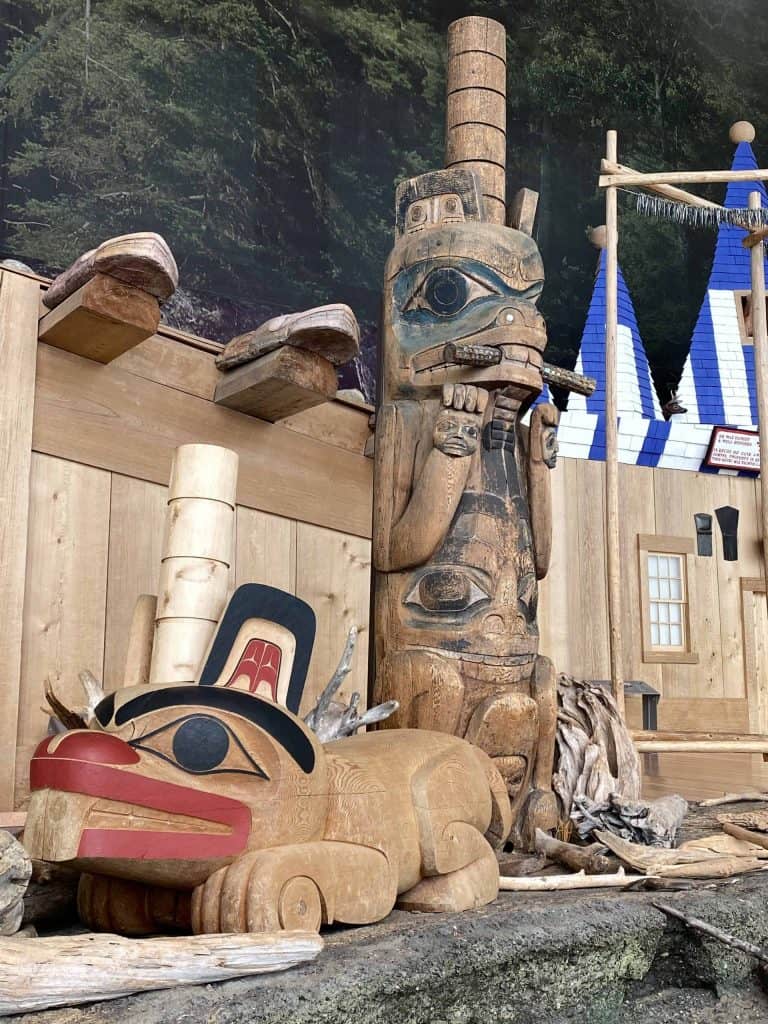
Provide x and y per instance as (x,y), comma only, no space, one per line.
(192,773)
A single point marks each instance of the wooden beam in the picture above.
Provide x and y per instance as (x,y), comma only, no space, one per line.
(612,536)
(101,320)
(281,384)
(668,191)
(109,418)
(681,178)
(19,297)
(522,210)
(700,743)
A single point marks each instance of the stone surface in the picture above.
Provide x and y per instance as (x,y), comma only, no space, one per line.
(559,958)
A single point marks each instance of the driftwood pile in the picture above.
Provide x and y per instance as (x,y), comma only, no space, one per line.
(595,755)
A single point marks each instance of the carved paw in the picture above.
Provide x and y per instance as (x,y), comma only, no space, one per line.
(260,892)
(465,398)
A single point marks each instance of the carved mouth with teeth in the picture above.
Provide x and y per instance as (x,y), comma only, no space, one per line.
(503,355)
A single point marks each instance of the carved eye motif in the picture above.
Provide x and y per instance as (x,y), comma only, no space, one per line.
(445,291)
(446,590)
(200,745)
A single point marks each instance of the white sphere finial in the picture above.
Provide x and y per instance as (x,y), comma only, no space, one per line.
(741,131)
(599,237)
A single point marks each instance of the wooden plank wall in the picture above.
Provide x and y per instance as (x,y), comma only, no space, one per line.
(83,506)
(85,501)
(709,695)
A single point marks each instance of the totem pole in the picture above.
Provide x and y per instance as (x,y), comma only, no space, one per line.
(462,516)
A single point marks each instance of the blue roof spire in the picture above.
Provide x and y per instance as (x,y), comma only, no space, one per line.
(718,380)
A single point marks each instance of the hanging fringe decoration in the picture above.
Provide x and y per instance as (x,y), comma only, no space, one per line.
(699,216)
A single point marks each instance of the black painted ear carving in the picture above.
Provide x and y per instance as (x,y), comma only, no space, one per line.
(256,601)
(728,518)
(703,533)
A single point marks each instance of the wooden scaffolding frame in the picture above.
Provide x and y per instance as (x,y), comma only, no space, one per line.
(613,176)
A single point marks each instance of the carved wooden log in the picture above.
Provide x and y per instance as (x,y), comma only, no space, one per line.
(67,970)
(197,554)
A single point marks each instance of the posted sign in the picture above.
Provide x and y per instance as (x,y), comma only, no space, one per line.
(730,448)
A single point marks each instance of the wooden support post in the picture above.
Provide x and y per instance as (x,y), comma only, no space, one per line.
(19,302)
(613,548)
(102,319)
(760,340)
(476,107)
(197,555)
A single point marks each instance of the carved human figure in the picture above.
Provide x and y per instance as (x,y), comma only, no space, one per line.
(462,523)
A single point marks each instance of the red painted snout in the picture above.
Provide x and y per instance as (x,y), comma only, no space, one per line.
(88,745)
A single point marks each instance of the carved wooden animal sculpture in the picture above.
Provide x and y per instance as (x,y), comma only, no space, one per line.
(462,521)
(227,794)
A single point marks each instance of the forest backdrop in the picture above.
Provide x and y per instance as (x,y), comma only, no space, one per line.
(264,140)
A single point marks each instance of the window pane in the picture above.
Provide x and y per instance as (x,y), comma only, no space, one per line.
(674,613)
(676,589)
(663,565)
(676,635)
(653,585)
(663,612)
(654,612)
(675,567)
(663,588)
(654,635)
(664,635)
(653,565)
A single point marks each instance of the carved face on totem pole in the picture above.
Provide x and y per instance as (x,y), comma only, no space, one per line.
(452,279)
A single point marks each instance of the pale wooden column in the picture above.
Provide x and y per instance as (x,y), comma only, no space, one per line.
(612,539)
(19,305)
(476,107)
(760,340)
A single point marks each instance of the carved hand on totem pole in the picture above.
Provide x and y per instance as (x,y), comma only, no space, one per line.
(462,521)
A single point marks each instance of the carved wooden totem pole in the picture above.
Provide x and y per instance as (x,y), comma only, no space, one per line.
(462,523)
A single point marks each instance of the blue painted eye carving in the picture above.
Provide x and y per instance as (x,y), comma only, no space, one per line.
(445,291)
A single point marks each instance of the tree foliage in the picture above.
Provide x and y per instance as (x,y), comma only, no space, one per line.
(264,139)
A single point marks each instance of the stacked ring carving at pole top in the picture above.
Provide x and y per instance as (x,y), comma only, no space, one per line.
(476,107)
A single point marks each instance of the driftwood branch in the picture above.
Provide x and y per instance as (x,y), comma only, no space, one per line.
(330,719)
(66,970)
(580,880)
(733,798)
(716,933)
(744,833)
(590,859)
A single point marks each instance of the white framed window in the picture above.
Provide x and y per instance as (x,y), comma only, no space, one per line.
(666,575)
(668,605)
